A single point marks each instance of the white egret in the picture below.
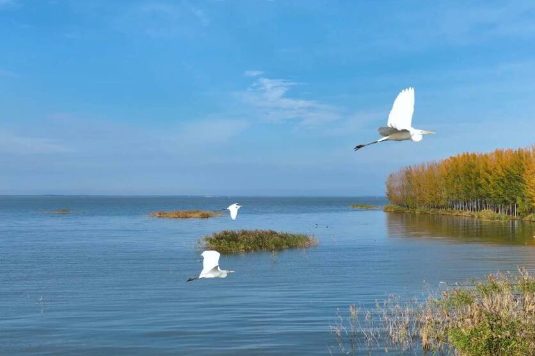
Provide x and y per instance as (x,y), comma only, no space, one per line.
(210,266)
(233,210)
(399,126)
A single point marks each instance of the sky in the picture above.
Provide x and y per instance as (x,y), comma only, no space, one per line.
(252,97)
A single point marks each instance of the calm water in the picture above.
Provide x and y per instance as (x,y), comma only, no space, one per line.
(109,280)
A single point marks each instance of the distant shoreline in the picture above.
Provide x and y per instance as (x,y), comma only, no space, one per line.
(485,215)
(374,197)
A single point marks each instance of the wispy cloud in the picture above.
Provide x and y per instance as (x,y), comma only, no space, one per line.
(210,132)
(99,136)
(253,73)
(443,23)
(485,20)
(205,21)
(356,123)
(271,102)
(9,4)
(162,19)
(7,73)
(15,144)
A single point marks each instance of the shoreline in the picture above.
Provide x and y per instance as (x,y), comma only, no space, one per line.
(484,215)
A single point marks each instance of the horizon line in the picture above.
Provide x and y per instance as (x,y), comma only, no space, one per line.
(194,195)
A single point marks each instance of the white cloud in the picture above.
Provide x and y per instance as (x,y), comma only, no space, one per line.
(6,73)
(357,123)
(205,21)
(104,136)
(162,19)
(12,143)
(486,20)
(253,73)
(9,4)
(270,100)
(210,132)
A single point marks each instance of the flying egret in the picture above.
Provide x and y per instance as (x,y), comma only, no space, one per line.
(210,266)
(233,210)
(399,126)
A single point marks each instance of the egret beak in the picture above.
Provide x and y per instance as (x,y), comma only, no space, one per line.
(230,271)
(429,132)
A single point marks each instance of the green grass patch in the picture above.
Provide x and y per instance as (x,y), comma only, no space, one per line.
(232,241)
(186,214)
(490,215)
(364,207)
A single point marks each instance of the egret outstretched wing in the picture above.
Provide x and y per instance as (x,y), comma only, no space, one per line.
(401,114)
(233,214)
(210,261)
(234,210)
(387,131)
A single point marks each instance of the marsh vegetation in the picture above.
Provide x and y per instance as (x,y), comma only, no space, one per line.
(494,316)
(364,207)
(486,215)
(186,214)
(62,211)
(231,241)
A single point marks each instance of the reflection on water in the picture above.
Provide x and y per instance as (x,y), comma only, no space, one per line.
(460,229)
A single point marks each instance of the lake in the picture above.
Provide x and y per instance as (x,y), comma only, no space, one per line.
(109,280)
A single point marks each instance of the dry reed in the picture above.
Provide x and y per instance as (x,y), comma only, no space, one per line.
(185,214)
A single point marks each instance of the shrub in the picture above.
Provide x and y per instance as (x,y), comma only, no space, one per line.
(229,241)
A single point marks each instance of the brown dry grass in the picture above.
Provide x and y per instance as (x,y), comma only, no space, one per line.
(61,211)
(492,317)
(186,214)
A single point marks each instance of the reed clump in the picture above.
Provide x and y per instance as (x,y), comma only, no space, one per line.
(364,207)
(186,214)
(486,215)
(232,241)
(494,316)
(62,211)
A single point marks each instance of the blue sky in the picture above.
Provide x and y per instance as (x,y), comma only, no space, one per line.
(252,97)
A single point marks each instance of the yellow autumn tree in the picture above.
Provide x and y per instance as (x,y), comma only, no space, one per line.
(502,181)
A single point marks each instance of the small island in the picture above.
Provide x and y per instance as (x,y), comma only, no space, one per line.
(62,211)
(364,207)
(233,241)
(185,214)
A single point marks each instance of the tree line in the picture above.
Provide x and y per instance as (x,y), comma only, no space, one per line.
(502,181)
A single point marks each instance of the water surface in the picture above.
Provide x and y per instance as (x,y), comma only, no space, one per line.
(109,280)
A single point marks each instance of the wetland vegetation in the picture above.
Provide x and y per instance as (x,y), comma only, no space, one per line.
(493,316)
(235,241)
(186,214)
(62,211)
(364,207)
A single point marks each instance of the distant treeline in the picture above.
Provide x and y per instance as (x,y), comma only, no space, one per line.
(502,181)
